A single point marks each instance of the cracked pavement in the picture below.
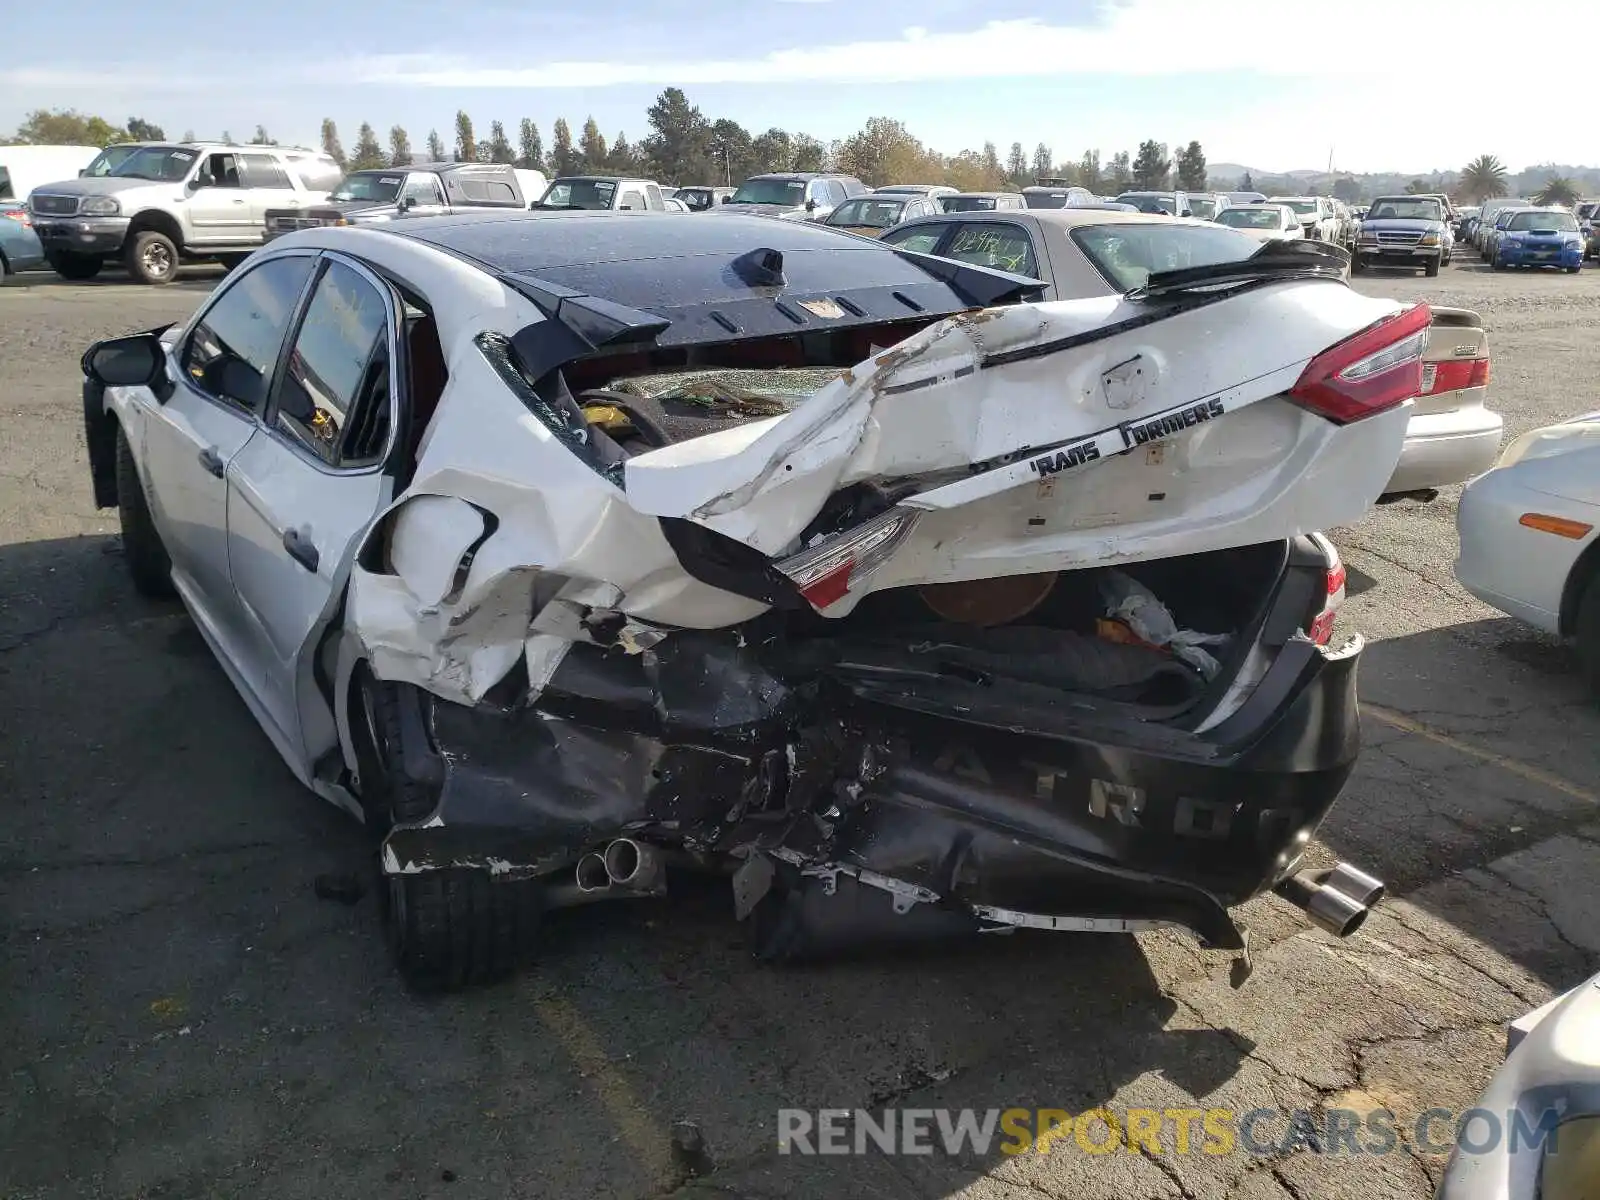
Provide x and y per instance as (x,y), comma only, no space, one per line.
(187,1018)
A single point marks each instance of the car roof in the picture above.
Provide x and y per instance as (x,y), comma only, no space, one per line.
(1068,218)
(706,277)
(982,195)
(800,175)
(523,243)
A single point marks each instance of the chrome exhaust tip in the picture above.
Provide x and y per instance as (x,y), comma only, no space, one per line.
(592,875)
(634,866)
(1364,889)
(1337,901)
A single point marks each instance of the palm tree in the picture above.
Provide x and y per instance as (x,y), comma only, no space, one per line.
(1558,190)
(1484,178)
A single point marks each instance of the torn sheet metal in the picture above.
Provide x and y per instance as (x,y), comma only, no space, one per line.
(962,420)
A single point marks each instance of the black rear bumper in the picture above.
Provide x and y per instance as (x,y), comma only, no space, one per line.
(941,796)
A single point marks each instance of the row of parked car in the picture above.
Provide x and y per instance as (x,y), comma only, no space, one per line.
(122,207)
(1511,232)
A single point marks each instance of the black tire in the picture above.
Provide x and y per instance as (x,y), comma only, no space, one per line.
(1586,631)
(151,257)
(1358,265)
(75,266)
(1571,270)
(142,547)
(446,929)
(452,929)
(386,718)
(1431,268)
(232,262)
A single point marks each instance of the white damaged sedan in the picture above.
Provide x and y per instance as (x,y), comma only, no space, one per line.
(562,549)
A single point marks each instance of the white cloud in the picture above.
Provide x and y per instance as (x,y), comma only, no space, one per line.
(1128,38)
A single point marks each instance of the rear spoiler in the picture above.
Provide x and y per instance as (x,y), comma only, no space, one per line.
(1457,318)
(1275,261)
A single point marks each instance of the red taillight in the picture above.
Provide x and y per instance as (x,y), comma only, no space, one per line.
(1454,375)
(1322,627)
(1336,581)
(1375,370)
(826,572)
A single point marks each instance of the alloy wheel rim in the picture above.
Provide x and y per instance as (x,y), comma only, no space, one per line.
(156,259)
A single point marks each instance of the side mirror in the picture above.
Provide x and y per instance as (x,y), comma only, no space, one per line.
(407,203)
(811,206)
(724,199)
(135,361)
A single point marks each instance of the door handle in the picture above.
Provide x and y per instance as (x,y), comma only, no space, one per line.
(212,461)
(299,546)
(238,201)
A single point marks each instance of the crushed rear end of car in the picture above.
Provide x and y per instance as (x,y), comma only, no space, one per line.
(1022,621)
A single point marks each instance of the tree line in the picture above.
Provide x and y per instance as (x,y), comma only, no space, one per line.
(683,146)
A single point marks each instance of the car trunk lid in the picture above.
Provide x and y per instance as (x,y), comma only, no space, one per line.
(1062,435)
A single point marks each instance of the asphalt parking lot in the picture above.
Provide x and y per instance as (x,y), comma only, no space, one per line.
(184,1017)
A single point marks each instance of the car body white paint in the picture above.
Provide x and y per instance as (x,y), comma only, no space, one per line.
(1452,437)
(570,543)
(1519,570)
(1551,1070)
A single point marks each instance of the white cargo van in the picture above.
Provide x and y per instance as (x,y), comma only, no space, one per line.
(23,168)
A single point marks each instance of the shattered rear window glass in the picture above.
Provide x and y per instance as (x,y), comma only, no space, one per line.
(1127,253)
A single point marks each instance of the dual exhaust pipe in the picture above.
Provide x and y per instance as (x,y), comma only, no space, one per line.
(624,868)
(1337,900)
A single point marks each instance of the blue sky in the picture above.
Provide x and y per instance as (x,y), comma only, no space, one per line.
(1250,79)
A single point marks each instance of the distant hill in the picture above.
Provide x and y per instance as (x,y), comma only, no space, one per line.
(1226,175)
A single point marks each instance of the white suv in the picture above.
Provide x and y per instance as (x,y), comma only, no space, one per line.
(171,202)
(1318,220)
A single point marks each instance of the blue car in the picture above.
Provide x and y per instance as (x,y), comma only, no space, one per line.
(1540,237)
(19,245)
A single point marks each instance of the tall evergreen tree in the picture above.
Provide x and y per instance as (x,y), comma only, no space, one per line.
(330,140)
(399,147)
(531,145)
(466,143)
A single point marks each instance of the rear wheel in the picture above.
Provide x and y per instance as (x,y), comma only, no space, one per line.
(1586,630)
(1358,265)
(152,257)
(449,928)
(142,547)
(75,266)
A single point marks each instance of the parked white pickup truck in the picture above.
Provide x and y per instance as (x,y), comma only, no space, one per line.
(171,203)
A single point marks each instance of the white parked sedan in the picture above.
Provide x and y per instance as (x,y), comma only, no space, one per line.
(1264,222)
(1528,540)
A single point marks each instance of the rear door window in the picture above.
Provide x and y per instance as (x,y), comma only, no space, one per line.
(336,386)
(263,171)
(653,198)
(996,244)
(632,198)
